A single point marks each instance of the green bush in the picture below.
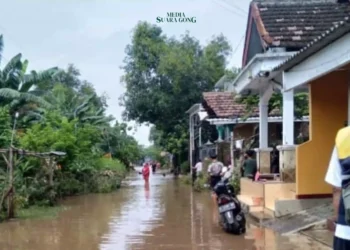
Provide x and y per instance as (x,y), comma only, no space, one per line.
(109,176)
(102,175)
(200,183)
(106,182)
(185,167)
(21,202)
(186,179)
(111,164)
(236,181)
(68,184)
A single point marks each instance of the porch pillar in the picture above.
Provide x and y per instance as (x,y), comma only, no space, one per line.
(288,118)
(264,98)
(263,124)
(263,152)
(221,131)
(287,163)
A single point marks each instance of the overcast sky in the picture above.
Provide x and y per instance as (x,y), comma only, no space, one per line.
(92,34)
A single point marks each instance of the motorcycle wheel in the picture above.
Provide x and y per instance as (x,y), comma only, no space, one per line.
(233,229)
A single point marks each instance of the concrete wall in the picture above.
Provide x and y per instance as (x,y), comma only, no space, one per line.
(244,131)
(328,112)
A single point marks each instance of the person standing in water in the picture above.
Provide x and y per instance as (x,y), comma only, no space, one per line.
(154,166)
(145,172)
(214,170)
(147,192)
(196,170)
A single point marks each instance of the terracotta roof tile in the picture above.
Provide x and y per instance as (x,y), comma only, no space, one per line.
(296,23)
(332,34)
(222,105)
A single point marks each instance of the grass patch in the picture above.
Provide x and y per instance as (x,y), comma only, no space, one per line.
(186,179)
(36,212)
(200,183)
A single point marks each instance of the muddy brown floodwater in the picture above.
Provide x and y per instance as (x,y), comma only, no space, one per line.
(164,215)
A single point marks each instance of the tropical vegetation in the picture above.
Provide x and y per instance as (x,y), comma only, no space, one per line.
(54,110)
(164,76)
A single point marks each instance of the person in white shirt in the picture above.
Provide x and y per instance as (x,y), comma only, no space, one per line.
(334,178)
(227,172)
(196,170)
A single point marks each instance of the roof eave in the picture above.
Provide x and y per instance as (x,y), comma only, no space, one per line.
(221,82)
(251,71)
(271,119)
(194,108)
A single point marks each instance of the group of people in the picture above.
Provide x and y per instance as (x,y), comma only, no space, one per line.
(217,171)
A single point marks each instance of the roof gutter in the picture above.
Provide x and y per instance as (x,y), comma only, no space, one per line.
(271,119)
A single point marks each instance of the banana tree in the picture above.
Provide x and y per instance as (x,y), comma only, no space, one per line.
(17,88)
(76,106)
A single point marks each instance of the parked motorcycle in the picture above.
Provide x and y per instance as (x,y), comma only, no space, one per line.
(232,218)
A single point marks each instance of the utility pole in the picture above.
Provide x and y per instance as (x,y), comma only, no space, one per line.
(232,147)
(191,142)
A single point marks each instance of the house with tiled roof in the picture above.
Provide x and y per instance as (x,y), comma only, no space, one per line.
(323,66)
(293,46)
(222,110)
(230,116)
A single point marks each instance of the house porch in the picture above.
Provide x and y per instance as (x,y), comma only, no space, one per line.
(328,113)
(273,198)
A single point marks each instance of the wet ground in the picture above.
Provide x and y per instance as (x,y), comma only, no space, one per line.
(163,215)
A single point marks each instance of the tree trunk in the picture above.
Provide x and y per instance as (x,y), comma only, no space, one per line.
(51,170)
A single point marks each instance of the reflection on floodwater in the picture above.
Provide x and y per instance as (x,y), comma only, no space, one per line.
(159,214)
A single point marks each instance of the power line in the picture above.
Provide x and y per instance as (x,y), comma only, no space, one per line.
(239,43)
(235,6)
(228,9)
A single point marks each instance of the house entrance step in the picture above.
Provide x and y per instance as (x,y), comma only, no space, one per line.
(250,201)
(301,220)
(261,215)
(323,236)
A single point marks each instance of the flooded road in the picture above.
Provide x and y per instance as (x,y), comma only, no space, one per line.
(163,215)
